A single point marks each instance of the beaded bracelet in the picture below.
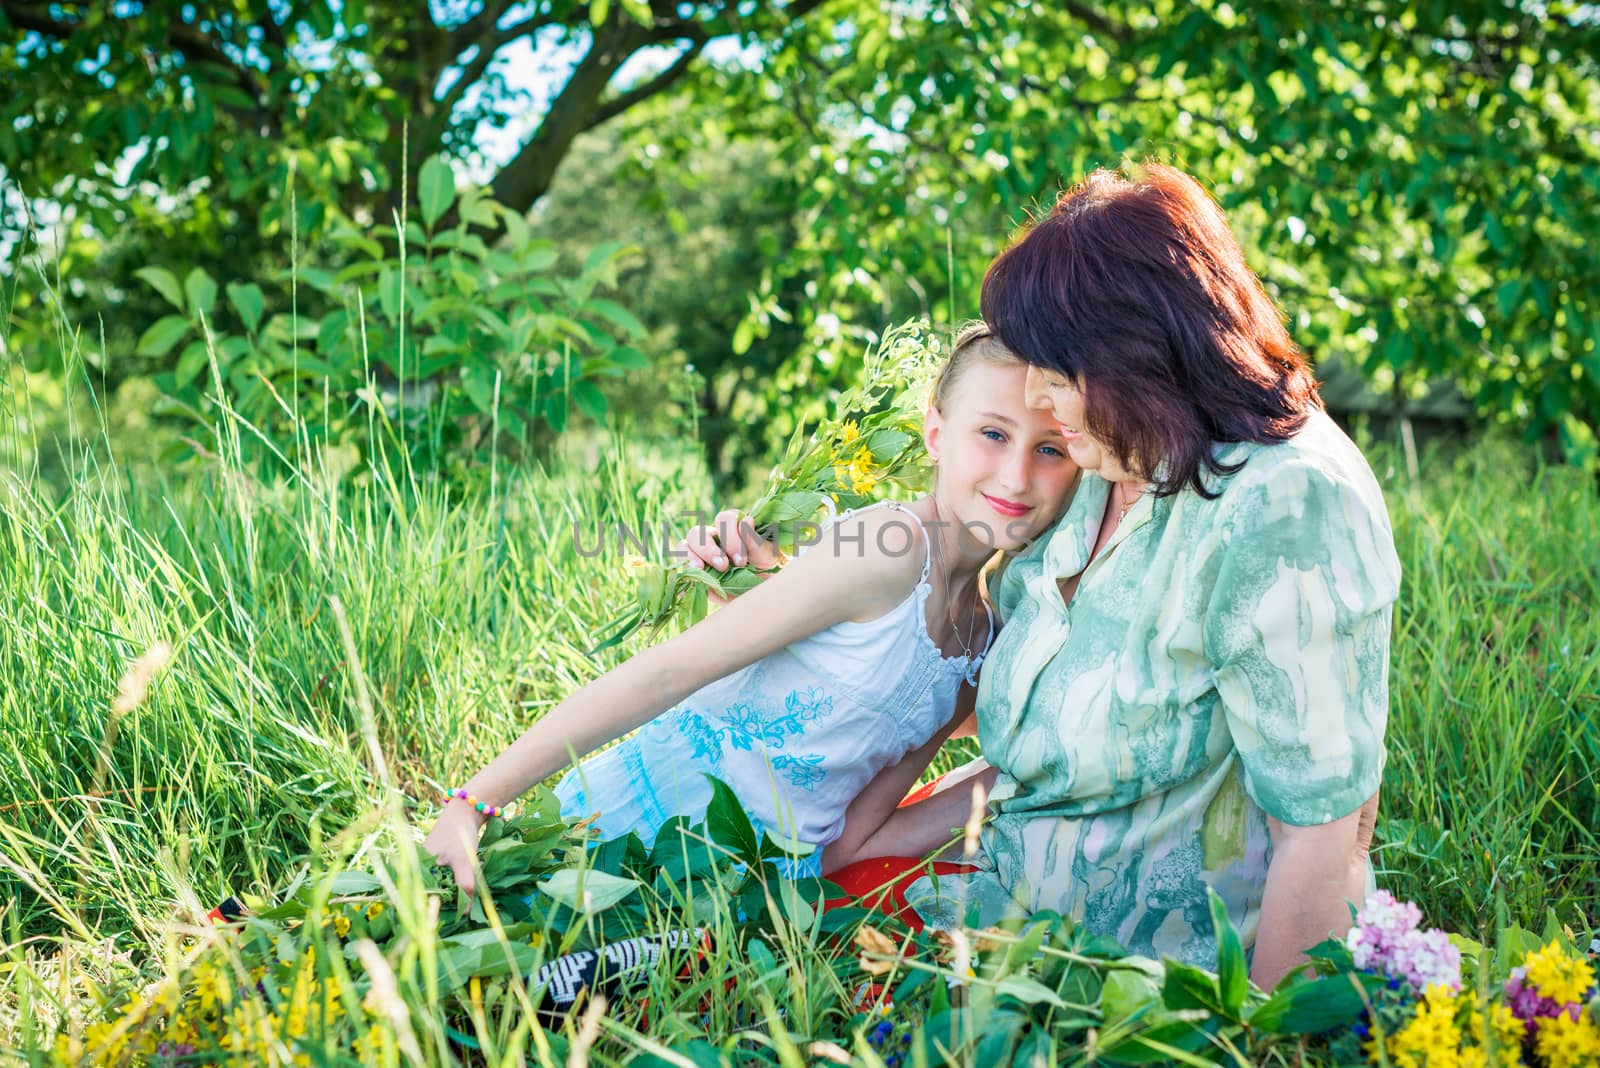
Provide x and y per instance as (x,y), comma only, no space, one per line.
(482,806)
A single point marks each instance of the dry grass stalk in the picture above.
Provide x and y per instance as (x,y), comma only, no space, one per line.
(980,807)
(385,997)
(588,1033)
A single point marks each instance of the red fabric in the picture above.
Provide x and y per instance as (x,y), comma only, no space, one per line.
(921,793)
(881,882)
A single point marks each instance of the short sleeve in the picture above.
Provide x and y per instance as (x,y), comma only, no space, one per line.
(1297,629)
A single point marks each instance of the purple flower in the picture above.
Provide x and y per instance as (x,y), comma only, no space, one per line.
(1530,1006)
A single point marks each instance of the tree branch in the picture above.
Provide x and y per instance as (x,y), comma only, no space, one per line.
(1096,21)
(196,47)
(488,43)
(625,100)
(35,21)
(526,178)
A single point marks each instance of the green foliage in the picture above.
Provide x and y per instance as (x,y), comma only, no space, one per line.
(1417,183)
(462,342)
(709,225)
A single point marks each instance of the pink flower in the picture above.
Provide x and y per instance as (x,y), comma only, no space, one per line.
(1385,939)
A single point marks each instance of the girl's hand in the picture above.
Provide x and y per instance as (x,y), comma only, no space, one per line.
(454,841)
(730,540)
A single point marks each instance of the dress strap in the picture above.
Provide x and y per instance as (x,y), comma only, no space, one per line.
(927,538)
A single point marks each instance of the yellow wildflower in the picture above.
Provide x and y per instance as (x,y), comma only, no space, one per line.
(1508,1032)
(1563,1042)
(68,1050)
(1557,976)
(861,474)
(1431,1038)
(374,910)
(341,924)
(370,1046)
(849,432)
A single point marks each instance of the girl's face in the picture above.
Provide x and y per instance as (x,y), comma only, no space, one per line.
(1003,469)
(1050,392)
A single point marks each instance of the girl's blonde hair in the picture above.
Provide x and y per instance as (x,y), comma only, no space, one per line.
(974,343)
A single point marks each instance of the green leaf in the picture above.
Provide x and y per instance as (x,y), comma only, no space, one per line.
(1512,944)
(602,261)
(783,845)
(1310,1006)
(248,300)
(628,358)
(353,883)
(555,411)
(1188,987)
(202,292)
(390,297)
(1233,975)
(588,890)
(1029,991)
(744,336)
(729,825)
(598,10)
(165,283)
(436,189)
(478,380)
(617,316)
(190,364)
(1129,992)
(162,335)
(539,257)
(590,401)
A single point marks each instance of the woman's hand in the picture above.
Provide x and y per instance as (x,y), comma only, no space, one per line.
(454,841)
(729,540)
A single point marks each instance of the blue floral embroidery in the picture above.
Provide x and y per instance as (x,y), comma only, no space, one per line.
(750,723)
(746,726)
(801,771)
(707,741)
(810,706)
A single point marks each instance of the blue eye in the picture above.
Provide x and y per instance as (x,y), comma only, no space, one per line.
(1052,450)
(992,434)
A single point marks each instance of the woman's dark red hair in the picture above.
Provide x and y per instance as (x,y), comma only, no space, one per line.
(1135,289)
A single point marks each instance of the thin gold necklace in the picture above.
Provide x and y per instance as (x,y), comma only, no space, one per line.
(1128,505)
(949,604)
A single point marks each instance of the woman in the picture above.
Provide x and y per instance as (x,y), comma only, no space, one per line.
(1191,688)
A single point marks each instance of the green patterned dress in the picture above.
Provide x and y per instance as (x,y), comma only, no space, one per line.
(1222,661)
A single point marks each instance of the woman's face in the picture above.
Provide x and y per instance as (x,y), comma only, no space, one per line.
(1049,391)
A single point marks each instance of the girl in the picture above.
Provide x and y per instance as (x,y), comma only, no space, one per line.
(839,673)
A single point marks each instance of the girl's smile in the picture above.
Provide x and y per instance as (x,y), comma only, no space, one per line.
(1010,509)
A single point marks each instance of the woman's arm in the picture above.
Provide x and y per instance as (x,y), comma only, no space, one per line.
(1313,874)
(815,592)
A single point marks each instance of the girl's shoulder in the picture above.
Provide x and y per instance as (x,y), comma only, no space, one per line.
(884,545)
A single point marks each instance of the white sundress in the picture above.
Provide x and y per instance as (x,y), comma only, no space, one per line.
(797,734)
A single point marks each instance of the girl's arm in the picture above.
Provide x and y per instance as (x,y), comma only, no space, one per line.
(814,592)
(926,829)
(875,825)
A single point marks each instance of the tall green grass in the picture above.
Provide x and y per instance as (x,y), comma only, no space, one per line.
(470,616)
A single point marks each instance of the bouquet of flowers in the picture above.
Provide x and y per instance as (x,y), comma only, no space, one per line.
(872,441)
(1421,1014)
